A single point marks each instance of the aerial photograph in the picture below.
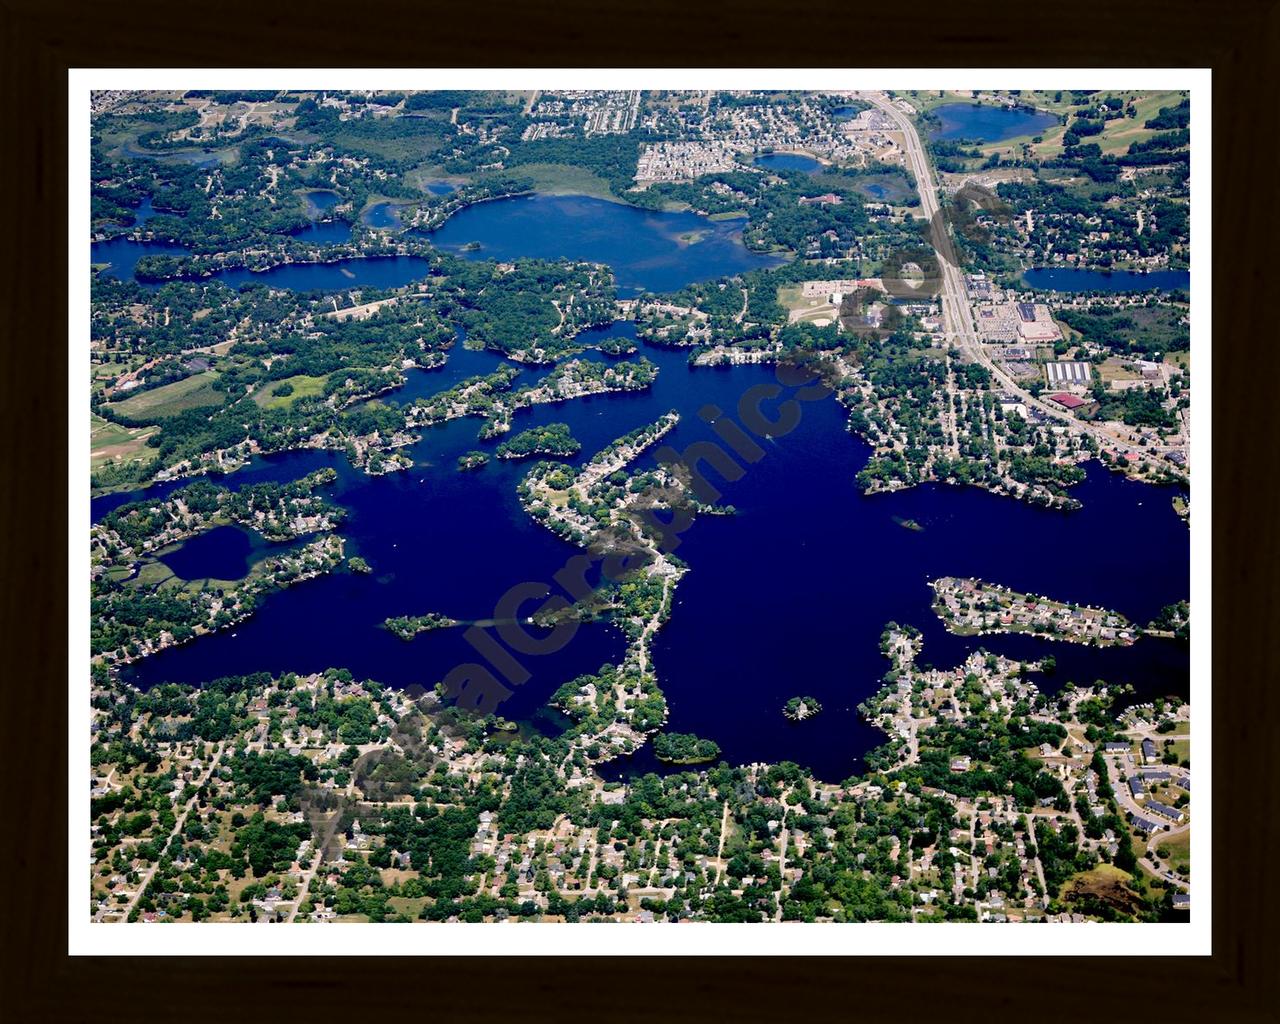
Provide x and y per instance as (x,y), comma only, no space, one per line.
(646,506)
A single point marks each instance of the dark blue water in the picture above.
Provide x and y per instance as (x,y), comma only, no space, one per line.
(985,123)
(787,162)
(788,597)
(644,248)
(1075,280)
(223,553)
(874,190)
(440,188)
(845,113)
(122,254)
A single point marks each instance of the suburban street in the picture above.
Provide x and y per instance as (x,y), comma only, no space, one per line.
(145,875)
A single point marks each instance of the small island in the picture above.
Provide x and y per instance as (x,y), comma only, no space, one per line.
(357,564)
(471,460)
(617,346)
(797,709)
(406,627)
(684,748)
(908,524)
(553,439)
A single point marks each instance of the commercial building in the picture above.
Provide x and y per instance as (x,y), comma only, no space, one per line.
(1068,401)
(1065,373)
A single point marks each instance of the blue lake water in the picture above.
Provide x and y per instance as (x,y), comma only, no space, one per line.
(981,122)
(845,113)
(1070,279)
(320,201)
(645,248)
(788,597)
(382,215)
(440,188)
(223,553)
(787,162)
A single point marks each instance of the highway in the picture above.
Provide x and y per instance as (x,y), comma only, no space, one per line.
(957,314)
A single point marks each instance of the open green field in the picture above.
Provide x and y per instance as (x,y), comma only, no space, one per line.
(412,139)
(1179,849)
(1117,369)
(111,442)
(1115,137)
(152,573)
(565,179)
(924,100)
(193,392)
(304,386)
(410,907)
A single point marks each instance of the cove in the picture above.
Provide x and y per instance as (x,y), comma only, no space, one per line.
(382,215)
(223,553)
(982,122)
(648,250)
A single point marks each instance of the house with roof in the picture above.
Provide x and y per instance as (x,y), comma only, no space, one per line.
(1165,811)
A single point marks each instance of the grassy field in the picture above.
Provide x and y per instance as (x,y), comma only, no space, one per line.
(564,180)
(1115,137)
(1179,848)
(110,442)
(303,387)
(410,139)
(927,100)
(410,907)
(152,573)
(1117,369)
(193,392)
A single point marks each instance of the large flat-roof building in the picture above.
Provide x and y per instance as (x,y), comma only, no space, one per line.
(1064,373)
(1035,323)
